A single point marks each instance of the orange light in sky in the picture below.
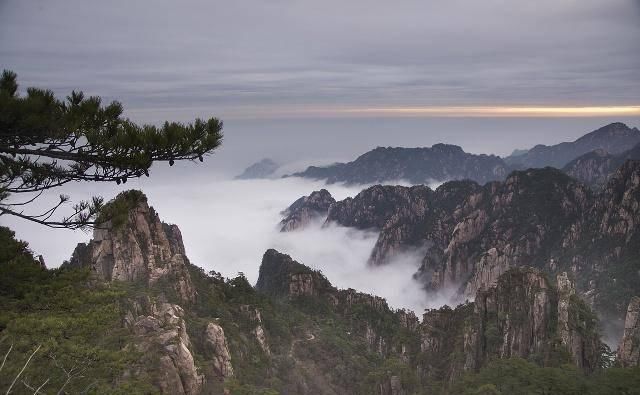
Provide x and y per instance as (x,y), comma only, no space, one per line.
(497,111)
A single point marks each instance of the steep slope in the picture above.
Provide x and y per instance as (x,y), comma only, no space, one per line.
(306,209)
(540,217)
(595,168)
(524,314)
(416,165)
(136,246)
(629,349)
(614,138)
(294,333)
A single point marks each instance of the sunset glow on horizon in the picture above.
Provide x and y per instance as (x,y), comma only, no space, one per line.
(498,111)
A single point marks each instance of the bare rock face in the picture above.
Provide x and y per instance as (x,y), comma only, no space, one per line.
(139,249)
(301,284)
(576,330)
(282,277)
(394,210)
(620,203)
(161,333)
(492,265)
(592,168)
(629,348)
(513,319)
(254,315)
(306,209)
(374,206)
(217,350)
(518,311)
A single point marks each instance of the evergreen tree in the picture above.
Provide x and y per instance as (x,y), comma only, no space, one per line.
(46,143)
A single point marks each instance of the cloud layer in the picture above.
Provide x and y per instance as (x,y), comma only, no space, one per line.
(248,57)
(228,225)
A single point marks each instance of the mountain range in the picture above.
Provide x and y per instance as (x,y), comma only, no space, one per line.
(130,314)
(444,162)
(544,262)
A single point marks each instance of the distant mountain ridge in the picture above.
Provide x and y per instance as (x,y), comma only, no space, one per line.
(415,165)
(265,168)
(614,138)
(446,162)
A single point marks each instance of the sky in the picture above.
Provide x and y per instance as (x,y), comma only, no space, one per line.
(301,58)
(314,82)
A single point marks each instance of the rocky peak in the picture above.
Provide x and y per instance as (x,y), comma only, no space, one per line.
(164,345)
(136,246)
(629,348)
(280,275)
(614,138)
(306,209)
(216,349)
(374,206)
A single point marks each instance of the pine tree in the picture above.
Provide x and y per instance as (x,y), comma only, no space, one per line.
(46,143)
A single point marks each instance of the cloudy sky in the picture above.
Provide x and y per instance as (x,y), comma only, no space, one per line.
(303,58)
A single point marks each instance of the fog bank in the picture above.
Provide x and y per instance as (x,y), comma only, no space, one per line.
(227,225)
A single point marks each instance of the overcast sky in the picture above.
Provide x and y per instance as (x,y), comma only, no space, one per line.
(251,58)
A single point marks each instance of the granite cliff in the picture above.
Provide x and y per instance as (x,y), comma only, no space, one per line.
(471,234)
(596,167)
(306,209)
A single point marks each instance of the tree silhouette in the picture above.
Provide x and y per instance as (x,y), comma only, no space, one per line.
(46,143)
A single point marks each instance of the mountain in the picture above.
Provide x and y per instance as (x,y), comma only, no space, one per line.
(614,138)
(306,209)
(629,348)
(472,233)
(525,293)
(415,165)
(444,162)
(262,169)
(130,314)
(595,168)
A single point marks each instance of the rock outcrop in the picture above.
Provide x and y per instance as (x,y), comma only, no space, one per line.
(514,319)
(306,209)
(217,350)
(162,340)
(629,348)
(254,315)
(595,168)
(135,246)
(282,277)
(417,165)
(522,315)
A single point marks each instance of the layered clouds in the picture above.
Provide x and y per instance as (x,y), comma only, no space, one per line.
(256,59)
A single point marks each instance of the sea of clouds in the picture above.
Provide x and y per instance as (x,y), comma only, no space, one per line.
(227,225)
